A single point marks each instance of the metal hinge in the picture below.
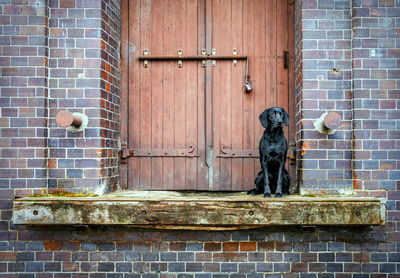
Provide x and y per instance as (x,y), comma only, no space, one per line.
(125,152)
(285,59)
(291,153)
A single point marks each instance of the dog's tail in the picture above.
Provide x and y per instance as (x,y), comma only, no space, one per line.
(259,184)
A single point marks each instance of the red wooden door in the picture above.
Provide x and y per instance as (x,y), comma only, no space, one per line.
(194,127)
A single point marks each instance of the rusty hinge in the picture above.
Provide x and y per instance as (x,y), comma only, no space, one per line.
(125,152)
(285,59)
(228,153)
(291,153)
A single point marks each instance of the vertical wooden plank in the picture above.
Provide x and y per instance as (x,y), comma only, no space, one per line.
(282,78)
(260,53)
(270,42)
(145,96)
(260,66)
(156,91)
(202,172)
(237,95)
(249,116)
(123,179)
(224,47)
(191,92)
(135,68)
(180,92)
(216,90)
(209,87)
(169,95)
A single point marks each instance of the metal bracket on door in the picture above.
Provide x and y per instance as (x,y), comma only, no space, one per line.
(214,53)
(145,62)
(228,153)
(204,53)
(235,62)
(180,53)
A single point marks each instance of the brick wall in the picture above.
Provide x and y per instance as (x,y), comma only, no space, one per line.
(84,77)
(274,252)
(324,162)
(23,98)
(72,64)
(376,74)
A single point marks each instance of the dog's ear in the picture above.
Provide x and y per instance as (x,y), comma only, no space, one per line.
(287,117)
(264,118)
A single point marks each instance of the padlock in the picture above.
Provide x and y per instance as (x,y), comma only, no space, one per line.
(248,86)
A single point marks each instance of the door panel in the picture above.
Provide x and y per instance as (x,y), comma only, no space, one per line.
(166,102)
(175,109)
(252,27)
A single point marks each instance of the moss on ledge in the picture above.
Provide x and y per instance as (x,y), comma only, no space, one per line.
(61,193)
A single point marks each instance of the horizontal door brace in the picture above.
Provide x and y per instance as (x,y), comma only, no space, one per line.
(194,57)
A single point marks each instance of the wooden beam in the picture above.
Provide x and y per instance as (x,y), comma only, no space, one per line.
(199,211)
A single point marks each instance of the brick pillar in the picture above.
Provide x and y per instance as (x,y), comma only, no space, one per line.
(324,85)
(376,74)
(23,98)
(84,78)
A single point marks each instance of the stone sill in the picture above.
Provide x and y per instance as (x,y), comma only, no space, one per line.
(197,210)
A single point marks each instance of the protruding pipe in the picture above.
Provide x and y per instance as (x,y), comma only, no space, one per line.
(328,123)
(66,119)
(332,121)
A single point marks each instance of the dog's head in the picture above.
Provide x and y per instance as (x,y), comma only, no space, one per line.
(274,117)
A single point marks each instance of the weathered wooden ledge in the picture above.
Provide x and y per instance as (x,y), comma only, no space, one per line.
(209,211)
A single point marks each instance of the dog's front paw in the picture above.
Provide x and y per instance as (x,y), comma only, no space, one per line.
(278,195)
(267,195)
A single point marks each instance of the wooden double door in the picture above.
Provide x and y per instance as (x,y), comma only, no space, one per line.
(190,124)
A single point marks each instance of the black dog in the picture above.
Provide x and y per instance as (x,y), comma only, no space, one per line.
(273,149)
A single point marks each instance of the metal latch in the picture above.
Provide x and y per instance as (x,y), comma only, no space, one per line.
(124,153)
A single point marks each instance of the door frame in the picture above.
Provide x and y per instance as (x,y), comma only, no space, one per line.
(127,21)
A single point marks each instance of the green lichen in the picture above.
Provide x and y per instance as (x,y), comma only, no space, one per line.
(61,193)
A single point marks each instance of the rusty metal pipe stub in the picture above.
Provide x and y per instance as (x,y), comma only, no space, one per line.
(74,122)
(328,123)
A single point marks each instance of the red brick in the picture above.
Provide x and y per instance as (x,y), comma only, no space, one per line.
(248,246)
(70,267)
(211,246)
(231,246)
(67,4)
(8,256)
(177,246)
(229,257)
(53,245)
(203,257)
(299,267)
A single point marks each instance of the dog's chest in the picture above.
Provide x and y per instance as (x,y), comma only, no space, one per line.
(273,150)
